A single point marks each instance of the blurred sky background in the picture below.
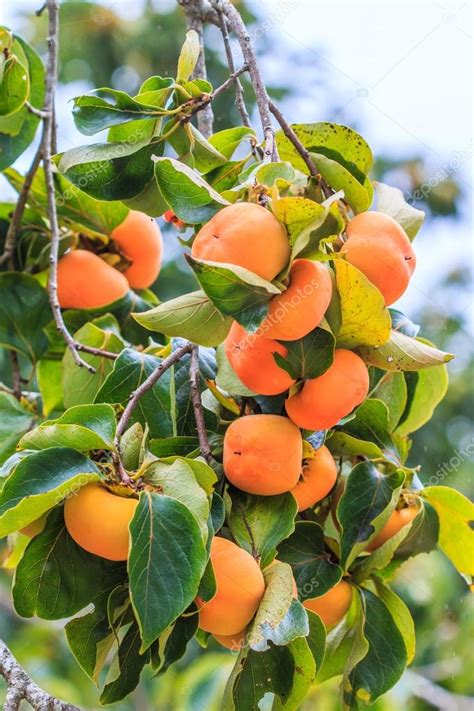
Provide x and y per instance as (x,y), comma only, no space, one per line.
(401,74)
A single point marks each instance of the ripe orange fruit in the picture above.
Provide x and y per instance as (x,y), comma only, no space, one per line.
(240,588)
(333,605)
(317,479)
(246,235)
(262,454)
(139,239)
(85,281)
(397,520)
(98,521)
(251,356)
(379,247)
(299,309)
(323,401)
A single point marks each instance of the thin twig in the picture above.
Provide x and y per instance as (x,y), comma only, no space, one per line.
(239,92)
(21,686)
(194,376)
(194,22)
(13,227)
(304,153)
(236,24)
(135,397)
(95,351)
(46,147)
(33,110)
(208,98)
(16,376)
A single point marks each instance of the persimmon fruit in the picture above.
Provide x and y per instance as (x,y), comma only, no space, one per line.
(246,235)
(234,642)
(263,454)
(240,587)
(251,357)
(396,521)
(85,281)
(317,478)
(139,239)
(323,401)
(379,247)
(98,521)
(333,605)
(301,307)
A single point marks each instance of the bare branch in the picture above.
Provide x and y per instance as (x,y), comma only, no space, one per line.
(237,26)
(239,92)
(15,223)
(33,110)
(194,376)
(135,397)
(194,22)
(95,351)
(47,141)
(21,686)
(304,153)
(206,99)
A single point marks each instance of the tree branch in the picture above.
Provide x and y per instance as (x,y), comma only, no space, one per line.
(194,22)
(207,99)
(134,400)
(47,141)
(194,376)
(13,227)
(237,26)
(21,686)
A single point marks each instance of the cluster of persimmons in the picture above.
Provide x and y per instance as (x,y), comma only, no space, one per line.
(263,453)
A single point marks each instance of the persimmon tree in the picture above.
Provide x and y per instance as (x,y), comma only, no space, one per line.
(233,462)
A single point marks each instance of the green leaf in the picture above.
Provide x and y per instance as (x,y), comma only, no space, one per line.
(392,390)
(259,523)
(169,446)
(368,500)
(456,519)
(14,85)
(423,535)
(280,618)
(301,218)
(333,140)
(312,567)
(188,56)
(357,193)
(370,427)
(370,678)
(14,421)
(103,108)
(308,357)
(155,408)
(391,202)
(111,171)
(185,420)
(235,291)
(257,673)
(192,316)
(227,379)
(228,140)
(39,482)
(401,616)
(305,671)
(83,427)
(382,556)
(56,578)
(426,389)
(49,376)
(166,563)
(18,130)
(202,472)
(24,311)
(364,318)
(187,194)
(177,481)
(401,352)
(345,643)
(90,638)
(173,642)
(80,386)
(129,664)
